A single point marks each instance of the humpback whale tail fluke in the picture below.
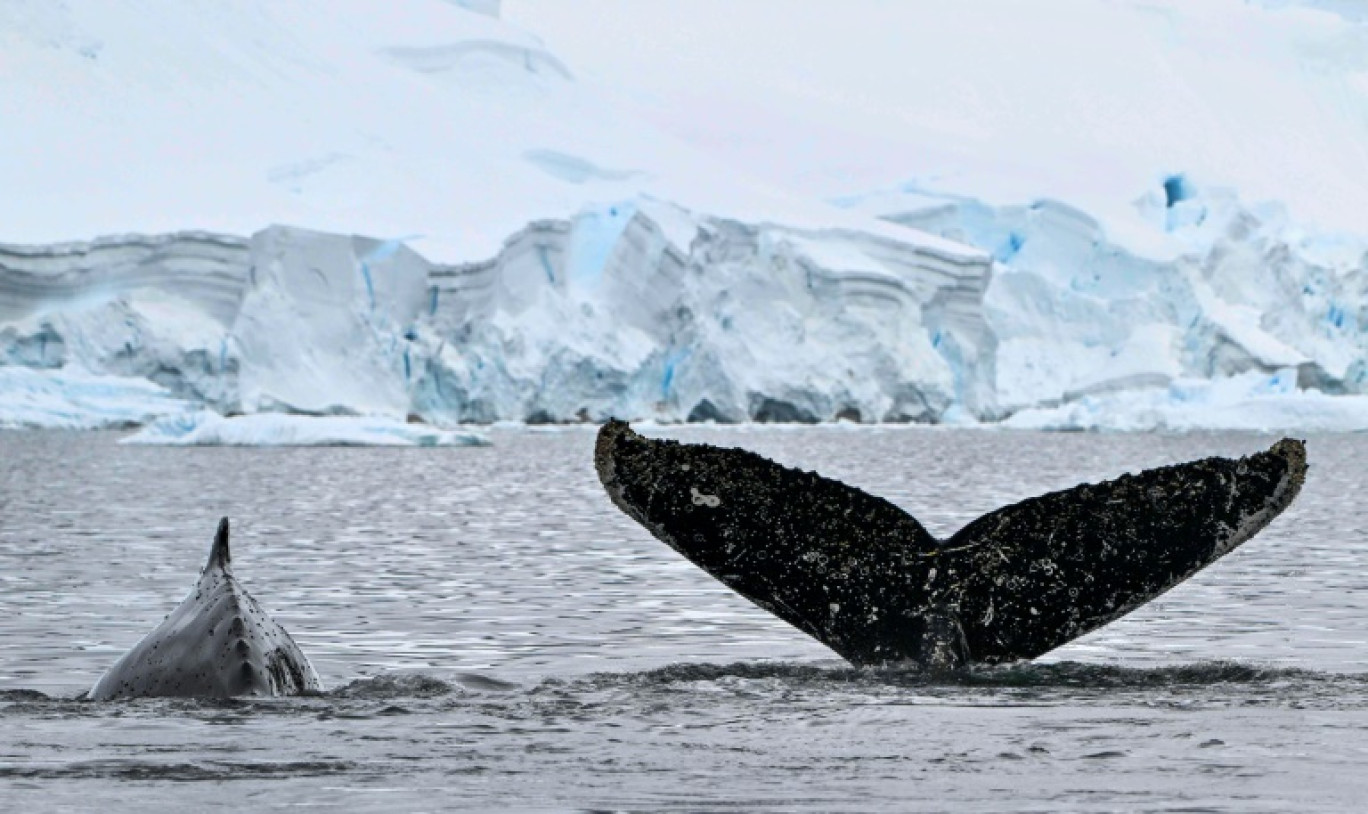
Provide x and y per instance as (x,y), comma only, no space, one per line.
(218,643)
(866,579)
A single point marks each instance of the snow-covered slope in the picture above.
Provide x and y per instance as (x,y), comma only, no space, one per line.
(154,117)
(426,120)
(1117,214)
(1090,102)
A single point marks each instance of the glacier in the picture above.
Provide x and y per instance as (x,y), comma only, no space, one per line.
(1057,229)
(638,308)
(1077,313)
(643,309)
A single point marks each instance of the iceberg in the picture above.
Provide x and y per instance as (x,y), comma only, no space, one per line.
(664,314)
(325,324)
(206,428)
(1250,401)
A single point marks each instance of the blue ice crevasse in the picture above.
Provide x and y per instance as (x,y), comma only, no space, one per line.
(595,235)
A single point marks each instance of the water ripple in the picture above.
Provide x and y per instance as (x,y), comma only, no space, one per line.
(497,636)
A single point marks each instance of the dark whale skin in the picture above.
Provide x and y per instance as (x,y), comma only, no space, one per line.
(866,579)
(218,643)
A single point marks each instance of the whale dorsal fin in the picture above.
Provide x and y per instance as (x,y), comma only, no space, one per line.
(218,643)
(219,557)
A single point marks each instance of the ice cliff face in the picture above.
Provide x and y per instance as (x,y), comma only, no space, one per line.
(1239,290)
(639,309)
(155,308)
(324,324)
(644,310)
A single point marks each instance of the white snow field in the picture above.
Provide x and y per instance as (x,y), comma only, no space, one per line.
(1074,215)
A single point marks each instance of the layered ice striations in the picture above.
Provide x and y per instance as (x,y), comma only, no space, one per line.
(156,308)
(637,309)
(642,309)
(1234,318)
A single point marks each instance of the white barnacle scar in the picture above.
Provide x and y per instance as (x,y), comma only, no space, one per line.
(700,499)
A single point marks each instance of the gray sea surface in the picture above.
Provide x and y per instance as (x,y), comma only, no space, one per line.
(494,635)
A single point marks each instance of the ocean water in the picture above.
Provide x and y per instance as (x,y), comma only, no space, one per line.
(495,635)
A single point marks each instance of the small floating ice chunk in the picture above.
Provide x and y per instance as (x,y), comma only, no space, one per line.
(74,399)
(207,428)
(1250,401)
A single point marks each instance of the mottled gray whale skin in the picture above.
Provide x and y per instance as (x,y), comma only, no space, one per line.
(864,578)
(218,643)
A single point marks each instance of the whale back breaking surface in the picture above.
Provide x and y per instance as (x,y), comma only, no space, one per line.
(218,643)
(865,578)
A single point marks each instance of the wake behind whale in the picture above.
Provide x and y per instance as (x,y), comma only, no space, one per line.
(218,643)
(867,580)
